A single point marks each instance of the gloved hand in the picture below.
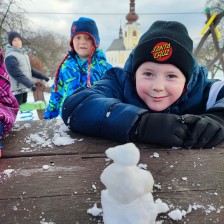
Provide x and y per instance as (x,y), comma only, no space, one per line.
(47,79)
(162,129)
(206,131)
(50,114)
(33,88)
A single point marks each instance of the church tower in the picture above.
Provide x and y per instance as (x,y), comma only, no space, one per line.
(132,28)
(120,48)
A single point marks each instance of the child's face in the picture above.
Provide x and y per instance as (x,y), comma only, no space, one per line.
(83,45)
(159,85)
(17,43)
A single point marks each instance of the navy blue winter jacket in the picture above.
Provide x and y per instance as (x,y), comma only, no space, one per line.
(111,108)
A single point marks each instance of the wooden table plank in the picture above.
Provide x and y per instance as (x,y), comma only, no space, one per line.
(64,192)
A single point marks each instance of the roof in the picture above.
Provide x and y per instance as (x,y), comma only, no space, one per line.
(117,45)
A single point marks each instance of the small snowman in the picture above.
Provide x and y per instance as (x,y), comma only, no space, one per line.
(128,198)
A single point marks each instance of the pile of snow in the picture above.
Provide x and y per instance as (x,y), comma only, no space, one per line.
(129,189)
(43,139)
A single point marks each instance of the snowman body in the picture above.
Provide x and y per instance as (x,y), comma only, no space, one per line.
(128,198)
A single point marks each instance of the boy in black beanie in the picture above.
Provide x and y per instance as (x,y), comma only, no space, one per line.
(19,68)
(162,96)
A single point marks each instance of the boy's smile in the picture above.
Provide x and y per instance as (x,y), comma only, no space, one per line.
(159,85)
(158,99)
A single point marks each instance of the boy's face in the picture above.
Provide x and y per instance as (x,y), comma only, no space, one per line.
(159,85)
(83,45)
(17,43)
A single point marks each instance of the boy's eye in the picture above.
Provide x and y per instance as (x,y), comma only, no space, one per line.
(88,38)
(171,76)
(148,74)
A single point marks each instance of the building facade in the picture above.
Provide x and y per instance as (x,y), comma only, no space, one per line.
(120,48)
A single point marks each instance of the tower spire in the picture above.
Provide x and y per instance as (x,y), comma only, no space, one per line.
(120,33)
(132,16)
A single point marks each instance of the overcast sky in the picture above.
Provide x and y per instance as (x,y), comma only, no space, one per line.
(58,15)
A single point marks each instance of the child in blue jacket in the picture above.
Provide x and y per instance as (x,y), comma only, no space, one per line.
(162,96)
(82,66)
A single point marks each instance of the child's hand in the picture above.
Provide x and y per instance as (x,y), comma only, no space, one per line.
(206,131)
(46,79)
(33,88)
(51,114)
(162,129)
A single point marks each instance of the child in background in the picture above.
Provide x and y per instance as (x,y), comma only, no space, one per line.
(162,96)
(82,66)
(19,68)
(8,104)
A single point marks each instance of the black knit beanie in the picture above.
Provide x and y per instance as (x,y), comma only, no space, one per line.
(12,35)
(166,43)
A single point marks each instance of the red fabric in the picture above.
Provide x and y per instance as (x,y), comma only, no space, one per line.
(89,62)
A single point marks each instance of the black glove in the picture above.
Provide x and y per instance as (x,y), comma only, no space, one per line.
(47,79)
(206,131)
(33,88)
(162,129)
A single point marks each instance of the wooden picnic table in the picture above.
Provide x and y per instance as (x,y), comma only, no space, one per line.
(71,185)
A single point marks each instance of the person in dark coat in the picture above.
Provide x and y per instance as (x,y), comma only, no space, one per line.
(162,96)
(19,68)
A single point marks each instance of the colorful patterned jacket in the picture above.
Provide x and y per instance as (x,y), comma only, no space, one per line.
(71,75)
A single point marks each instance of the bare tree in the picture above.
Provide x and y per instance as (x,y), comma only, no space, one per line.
(208,52)
(11,18)
(49,47)
(215,5)
(46,49)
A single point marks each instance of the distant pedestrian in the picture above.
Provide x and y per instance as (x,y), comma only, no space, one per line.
(19,68)
(83,66)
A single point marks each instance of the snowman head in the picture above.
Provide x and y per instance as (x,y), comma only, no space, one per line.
(126,155)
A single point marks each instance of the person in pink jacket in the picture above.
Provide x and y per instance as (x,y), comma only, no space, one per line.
(8,104)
